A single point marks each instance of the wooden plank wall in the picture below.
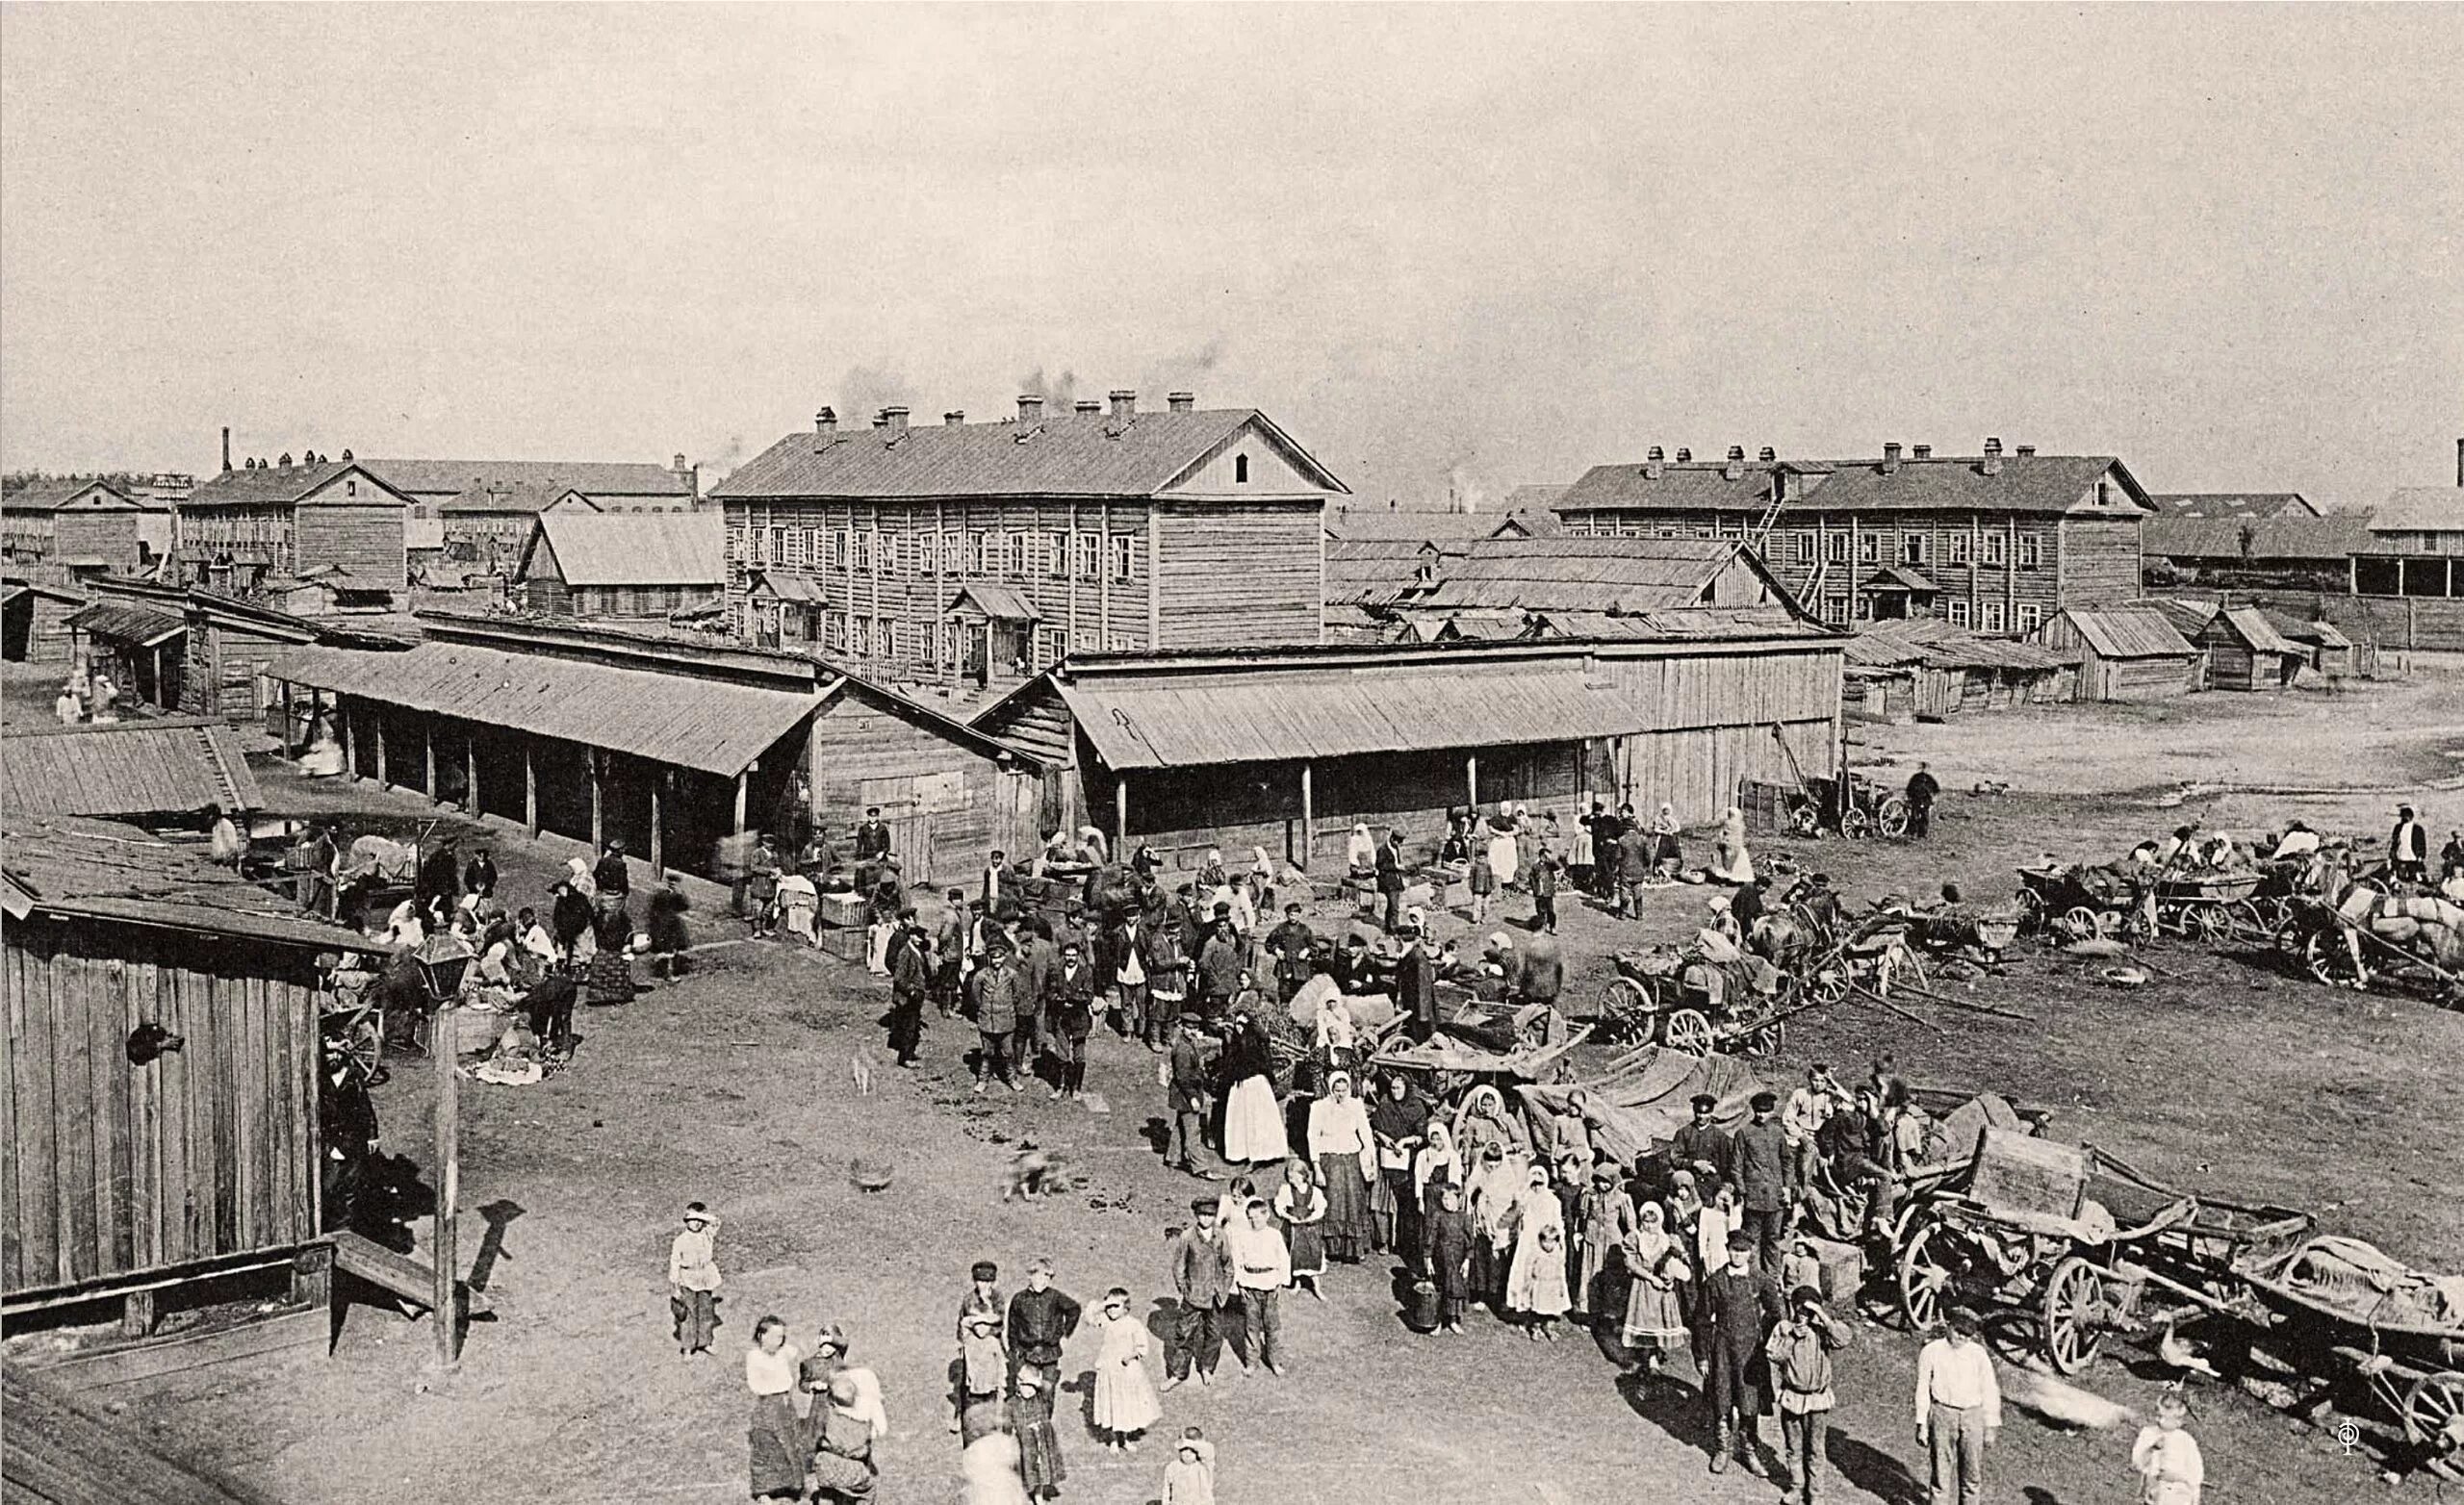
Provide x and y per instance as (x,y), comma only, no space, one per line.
(365,540)
(211,1150)
(1237,575)
(2100,560)
(863,753)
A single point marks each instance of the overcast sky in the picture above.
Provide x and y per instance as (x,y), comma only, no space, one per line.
(1498,244)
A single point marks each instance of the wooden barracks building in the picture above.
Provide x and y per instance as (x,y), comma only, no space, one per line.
(1995,542)
(989,550)
(266,521)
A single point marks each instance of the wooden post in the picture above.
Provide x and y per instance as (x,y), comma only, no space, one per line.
(1471,778)
(136,1314)
(659,778)
(598,834)
(447,1172)
(383,781)
(427,756)
(1120,812)
(1308,815)
(286,720)
(351,739)
(471,773)
(530,785)
(740,780)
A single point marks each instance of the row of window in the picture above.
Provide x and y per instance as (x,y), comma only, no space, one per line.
(643,600)
(860,636)
(1991,549)
(1059,557)
(1990,616)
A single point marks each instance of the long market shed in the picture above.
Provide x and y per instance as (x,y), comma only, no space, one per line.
(1287,748)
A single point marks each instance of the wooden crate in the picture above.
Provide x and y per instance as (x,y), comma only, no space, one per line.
(2015,1173)
(1843,1269)
(845,944)
(844,910)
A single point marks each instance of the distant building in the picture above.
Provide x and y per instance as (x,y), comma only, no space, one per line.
(2416,544)
(1993,541)
(485,529)
(613,485)
(1576,587)
(2126,653)
(2244,651)
(2235,505)
(279,522)
(985,550)
(56,528)
(582,563)
(2293,549)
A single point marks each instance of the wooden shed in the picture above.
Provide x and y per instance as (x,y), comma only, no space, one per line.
(949,794)
(34,621)
(2125,652)
(2244,651)
(134,1168)
(2330,653)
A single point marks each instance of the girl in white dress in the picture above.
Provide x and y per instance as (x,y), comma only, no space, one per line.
(1125,1404)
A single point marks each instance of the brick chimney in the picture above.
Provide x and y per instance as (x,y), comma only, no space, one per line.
(955,418)
(1685,456)
(1734,470)
(1890,458)
(1124,403)
(1030,408)
(1087,407)
(825,422)
(1992,457)
(2027,452)
(2459,454)
(1924,451)
(1767,455)
(1187,402)
(1655,464)
(895,419)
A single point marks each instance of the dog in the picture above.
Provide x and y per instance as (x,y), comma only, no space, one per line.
(860,1071)
(1031,1174)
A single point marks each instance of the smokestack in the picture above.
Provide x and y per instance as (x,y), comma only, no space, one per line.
(895,419)
(1087,407)
(2459,462)
(1030,408)
(1993,456)
(955,418)
(1187,402)
(679,465)
(1734,470)
(2459,454)
(1924,451)
(1124,403)
(1890,458)
(825,422)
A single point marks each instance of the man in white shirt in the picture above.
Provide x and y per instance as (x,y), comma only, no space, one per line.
(1261,1267)
(1959,1409)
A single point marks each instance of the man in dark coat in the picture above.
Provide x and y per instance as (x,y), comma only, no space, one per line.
(1607,828)
(1416,984)
(997,993)
(1700,1146)
(1757,1163)
(479,874)
(949,953)
(1634,866)
(1923,789)
(1069,1018)
(1219,969)
(910,982)
(872,838)
(1041,1318)
(1191,1076)
(1202,1280)
(440,879)
(1390,877)
(2408,848)
(1291,944)
(611,875)
(1039,961)
(1740,1304)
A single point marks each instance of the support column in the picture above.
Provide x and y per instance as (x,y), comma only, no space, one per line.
(350,738)
(427,755)
(598,830)
(286,720)
(471,771)
(1120,812)
(1308,813)
(658,860)
(740,780)
(1471,778)
(530,787)
(383,772)
(444,1310)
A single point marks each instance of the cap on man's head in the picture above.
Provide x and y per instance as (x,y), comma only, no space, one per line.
(1704,1102)
(984,1269)
(1805,1296)
(1742,1242)
(1765,1102)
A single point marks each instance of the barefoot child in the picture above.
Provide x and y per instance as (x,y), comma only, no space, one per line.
(693,1281)
(1302,1209)
(1125,1404)
(1189,1479)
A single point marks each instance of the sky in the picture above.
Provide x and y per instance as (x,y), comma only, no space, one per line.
(1444,248)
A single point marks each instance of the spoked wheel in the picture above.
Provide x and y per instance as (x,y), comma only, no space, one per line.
(1827,986)
(2247,920)
(2434,1422)
(2031,910)
(1805,819)
(2073,1306)
(1687,1030)
(1767,1041)
(2322,957)
(355,1043)
(1854,822)
(1891,817)
(1924,1276)
(1627,1006)
(2207,923)
(2087,923)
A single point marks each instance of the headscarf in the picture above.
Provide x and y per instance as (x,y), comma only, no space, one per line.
(1399,1119)
(1437,1161)
(1259,864)
(1360,851)
(1664,824)
(577,874)
(1651,1236)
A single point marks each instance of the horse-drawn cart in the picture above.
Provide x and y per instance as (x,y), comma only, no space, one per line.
(1662,995)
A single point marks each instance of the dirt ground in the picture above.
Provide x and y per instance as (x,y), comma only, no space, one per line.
(735,1088)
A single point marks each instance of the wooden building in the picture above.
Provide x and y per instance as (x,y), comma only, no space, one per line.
(2243,648)
(2125,652)
(2416,543)
(278,521)
(162,771)
(2002,541)
(594,732)
(1286,748)
(1924,669)
(2236,507)
(34,621)
(2333,654)
(486,531)
(1103,528)
(584,563)
(194,650)
(131,1171)
(434,486)
(54,529)
(2290,551)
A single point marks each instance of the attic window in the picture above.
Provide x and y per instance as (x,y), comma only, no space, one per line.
(350,488)
(1239,470)
(2104,493)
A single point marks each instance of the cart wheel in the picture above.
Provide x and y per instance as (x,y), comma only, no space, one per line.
(1891,817)
(2324,957)
(2247,920)
(1827,986)
(2085,923)
(2207,923)
(2031,912)
(2434,1421)
(1687,1030)
(1924,1277)
(1767,1041)
(1854,822)
(2074,1299)
(1627,1006)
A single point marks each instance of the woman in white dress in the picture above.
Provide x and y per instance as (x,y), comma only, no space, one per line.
(1360,853)
(1504,857)
(1125,1402)
(1731,862)
(1253,1120)
(1535,1281)
(1344,1151)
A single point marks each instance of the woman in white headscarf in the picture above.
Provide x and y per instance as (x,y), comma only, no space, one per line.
(1535,1281)
(577,874)
(1656,1266)
(1731,862)
(1668,854)
(1504,858)
(1360,853)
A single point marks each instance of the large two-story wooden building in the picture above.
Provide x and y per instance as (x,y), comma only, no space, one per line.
(264,522)
(52,528)
(989,550)
(1995,542)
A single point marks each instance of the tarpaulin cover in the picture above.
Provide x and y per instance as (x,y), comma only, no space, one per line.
(1644,1104)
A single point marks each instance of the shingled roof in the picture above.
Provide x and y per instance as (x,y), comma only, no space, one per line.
(591,477)
(633,547)
(101,870)
(2291,536)
(2033,483)
(532,497)
(2233,504)
(275,485)
(1069,455)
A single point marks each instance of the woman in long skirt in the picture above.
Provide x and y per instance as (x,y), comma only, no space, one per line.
(777,1436)
(1301,1208)
(1607,1231)
(1668,853)
(1504,857)
(1253,1120)
(1488,1195)
(1654,1297)
(1039,1462)
(1124,1397)
(1535,1281)
(610,978)
(1346,1155)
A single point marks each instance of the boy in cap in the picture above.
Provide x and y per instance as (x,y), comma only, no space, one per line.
(1801,1346)
(693,1281)
(1959,1408)
(1202,1277)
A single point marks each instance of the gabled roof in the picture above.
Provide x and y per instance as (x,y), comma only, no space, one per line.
(49,493)
(1000,602)
(786,585)
(1066,455)
(2317,633)
(102,497)
(597,548)
(1937,644)
(2291,536)
(1900,577)
(275,485)
(2251,626)
(458,477)
(2420,509)
(2035,483)
(1617,576)
(1535,498)
(531,496)
(101,870)
(1385,525)
(162,767)
(2129,632)
(2235,504)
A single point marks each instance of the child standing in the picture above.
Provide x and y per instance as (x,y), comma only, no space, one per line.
(693,1281)
(2170,1470)
(1039,1462)
(977,1376)
(1302,1208)
(1125,1404)
(1449,1240)
(1189,1479)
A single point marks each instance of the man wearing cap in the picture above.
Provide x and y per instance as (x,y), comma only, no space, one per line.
(1758,1163)
(1959,1409)
(872,838)
(1740,1305)
(2408,848)
(1923,789)
(1416,984)
(1188,1075)
(909,981)
(1701,1146)
(1039,961)
(1071,1018)
(1292,943)
(1202,1278)
(1390,877)
(996,1012)
(1799,1354)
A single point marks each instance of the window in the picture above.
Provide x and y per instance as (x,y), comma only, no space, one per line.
(1049,646)
(350,488)
(1115,642)
(1990,617)
(864,542)
(2104,493)
(1869,549)
(1834,609)
(1956,608)
(1959,548)
(1016,554)
(1124,555)
(776,552)
(1085,553)
(1240,471)
(1995,552)
(1701,530)
(2031,552)
(836,544)
(1914,548)
(1635,530)
(1056,555)
(2031,618)
(1801,548)
(1865,609)
(793,556)
(1834,548)
(971,560)
(886,553)
(881,637)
